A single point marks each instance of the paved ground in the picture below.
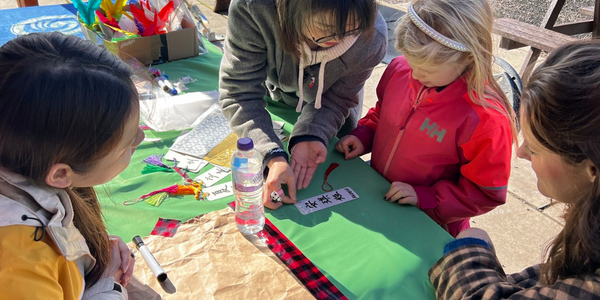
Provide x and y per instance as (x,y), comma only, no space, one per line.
(520,229)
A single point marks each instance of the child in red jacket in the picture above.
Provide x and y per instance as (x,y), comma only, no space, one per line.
(442,130)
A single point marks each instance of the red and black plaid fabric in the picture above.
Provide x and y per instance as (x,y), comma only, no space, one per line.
(318,285)
(166,227)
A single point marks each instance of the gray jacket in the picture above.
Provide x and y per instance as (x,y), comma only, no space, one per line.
(254,64)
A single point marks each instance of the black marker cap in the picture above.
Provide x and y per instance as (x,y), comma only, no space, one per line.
(137,240)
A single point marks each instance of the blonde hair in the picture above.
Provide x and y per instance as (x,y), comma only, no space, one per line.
(468,22)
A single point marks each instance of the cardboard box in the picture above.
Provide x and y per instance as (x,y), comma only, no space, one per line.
(154,49)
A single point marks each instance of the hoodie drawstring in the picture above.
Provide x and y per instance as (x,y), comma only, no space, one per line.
(322,56)
(301,85)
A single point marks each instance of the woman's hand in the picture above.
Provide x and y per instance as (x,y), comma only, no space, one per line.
(402,193)
(351,146)
(122,261)
(306,156)
(280,173)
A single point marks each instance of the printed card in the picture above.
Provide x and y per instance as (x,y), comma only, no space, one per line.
(190,163)
(208,133)
(181,158)
(219,191)
(213,175)
(195,164)
(326,200)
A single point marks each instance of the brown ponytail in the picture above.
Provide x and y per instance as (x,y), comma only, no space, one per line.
(561,104)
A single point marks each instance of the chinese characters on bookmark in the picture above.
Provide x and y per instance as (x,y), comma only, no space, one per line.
(326,200)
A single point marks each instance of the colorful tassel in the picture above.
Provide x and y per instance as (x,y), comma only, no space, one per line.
(156,160)
(183,174)
(157,199)
(171,190)
(155,164)
(191,189)
(153,169)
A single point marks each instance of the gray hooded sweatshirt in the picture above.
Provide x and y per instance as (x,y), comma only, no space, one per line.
(329,82)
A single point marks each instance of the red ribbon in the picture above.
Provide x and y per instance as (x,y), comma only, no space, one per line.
(325,183)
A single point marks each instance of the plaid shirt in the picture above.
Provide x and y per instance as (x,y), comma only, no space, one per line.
(473,272)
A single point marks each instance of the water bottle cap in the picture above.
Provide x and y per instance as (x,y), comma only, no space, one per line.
(245,144)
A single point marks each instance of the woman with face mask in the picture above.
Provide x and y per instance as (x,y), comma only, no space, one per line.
(311,56)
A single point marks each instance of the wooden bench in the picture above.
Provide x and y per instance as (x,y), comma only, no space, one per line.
(587,11)
(548,36)
(529,35)
(517,34)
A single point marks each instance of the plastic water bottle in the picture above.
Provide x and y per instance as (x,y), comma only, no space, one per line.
(247,175)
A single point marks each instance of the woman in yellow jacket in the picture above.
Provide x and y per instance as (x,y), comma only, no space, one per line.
(69,121)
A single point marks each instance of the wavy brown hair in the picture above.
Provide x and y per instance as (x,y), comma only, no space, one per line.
(64,100)
(294,16)
(561,105)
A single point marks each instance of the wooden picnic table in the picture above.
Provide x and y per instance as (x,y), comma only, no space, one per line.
(548,36)
(593,11)
(588,11)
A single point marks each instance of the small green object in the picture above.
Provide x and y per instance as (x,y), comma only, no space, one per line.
(157,199)
(153,169)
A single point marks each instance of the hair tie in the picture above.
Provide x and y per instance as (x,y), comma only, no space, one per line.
(432,33)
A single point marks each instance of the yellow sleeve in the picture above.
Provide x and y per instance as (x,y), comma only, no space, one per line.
(34,270)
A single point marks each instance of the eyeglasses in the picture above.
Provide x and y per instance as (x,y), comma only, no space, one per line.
(333,36)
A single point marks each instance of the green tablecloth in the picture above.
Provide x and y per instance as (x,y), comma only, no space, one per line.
(368,248)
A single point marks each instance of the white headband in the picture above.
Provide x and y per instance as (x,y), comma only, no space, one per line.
(432,33)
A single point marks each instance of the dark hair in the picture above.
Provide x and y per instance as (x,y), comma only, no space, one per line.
(561,105)
(64,100)
(296,15)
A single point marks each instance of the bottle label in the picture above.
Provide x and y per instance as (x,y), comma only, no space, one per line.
(255,181)
(239,162)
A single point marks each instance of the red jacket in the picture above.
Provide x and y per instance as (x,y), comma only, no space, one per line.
(455,154)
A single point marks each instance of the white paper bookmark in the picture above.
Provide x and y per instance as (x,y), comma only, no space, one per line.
(219,191)
(192,164)
(278,124)
(181,158)
(213,175)
(195,164)
(326,200)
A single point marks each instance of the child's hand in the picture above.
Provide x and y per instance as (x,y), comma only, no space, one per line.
(122,262)
(351,146)
(402,193)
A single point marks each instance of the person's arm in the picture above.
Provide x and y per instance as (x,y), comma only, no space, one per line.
(365,131)
(242,75)
(482,184)
(472,271)
(34,270)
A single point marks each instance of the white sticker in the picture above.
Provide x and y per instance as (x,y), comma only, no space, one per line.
(213,175)
(218,191)
(326,200)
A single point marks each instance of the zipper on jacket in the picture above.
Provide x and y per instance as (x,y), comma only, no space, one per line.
(402,128)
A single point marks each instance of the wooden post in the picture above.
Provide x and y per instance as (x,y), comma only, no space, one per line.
(25,3)
(548,22)
(596,22)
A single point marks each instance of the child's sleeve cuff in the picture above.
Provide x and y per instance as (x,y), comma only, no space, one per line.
(465,242)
